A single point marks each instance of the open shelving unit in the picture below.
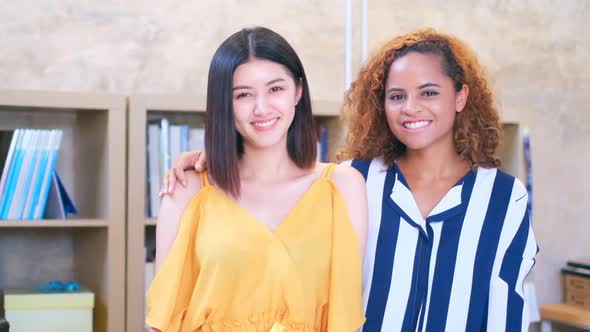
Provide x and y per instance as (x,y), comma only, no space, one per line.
(141,228)
(91,163)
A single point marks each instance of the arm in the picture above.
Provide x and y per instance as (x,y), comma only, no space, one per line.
(171,210)
(351,185)
(196,160)
(507,310)
(169,223)
(345,309)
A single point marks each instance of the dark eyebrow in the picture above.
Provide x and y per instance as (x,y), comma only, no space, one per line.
(394,89)
(275,81)
(427,85)
(239,87)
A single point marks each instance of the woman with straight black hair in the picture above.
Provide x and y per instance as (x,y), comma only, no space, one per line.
(268,240)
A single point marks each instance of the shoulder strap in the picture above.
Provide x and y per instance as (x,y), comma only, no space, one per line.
(328,170)
(204,179)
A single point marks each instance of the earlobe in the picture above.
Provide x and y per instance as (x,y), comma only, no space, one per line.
(461,100)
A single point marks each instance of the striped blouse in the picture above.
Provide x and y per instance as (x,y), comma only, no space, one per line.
(460,269)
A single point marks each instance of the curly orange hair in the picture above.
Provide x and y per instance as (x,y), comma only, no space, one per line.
(477,129)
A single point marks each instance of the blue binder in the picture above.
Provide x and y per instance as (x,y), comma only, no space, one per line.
(59,204)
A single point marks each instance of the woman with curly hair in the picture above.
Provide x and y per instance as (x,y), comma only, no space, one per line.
(449,239)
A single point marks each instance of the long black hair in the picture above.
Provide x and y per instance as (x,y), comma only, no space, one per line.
(223,144)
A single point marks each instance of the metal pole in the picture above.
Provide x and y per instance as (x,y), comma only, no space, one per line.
(348,45)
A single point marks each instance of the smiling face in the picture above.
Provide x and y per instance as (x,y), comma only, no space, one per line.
(421,101)
(264,99)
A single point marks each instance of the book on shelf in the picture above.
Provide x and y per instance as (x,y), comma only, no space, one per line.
(322,148)
(165,142)
(8,143)
(29,175)
(165,163)
(196,139)
(153,168)
(59,204)
(29,143)
(33,194)
(175,140)
(11,171)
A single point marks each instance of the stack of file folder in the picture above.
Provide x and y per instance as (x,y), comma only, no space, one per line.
(30,188)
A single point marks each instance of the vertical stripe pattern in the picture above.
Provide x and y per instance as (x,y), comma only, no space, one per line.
(452,270)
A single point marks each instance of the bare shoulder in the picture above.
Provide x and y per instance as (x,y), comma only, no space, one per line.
(184,194)
(173,205)
(171,211)
(348,180)
(351,185)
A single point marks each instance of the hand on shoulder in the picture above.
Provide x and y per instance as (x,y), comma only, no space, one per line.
(184,194)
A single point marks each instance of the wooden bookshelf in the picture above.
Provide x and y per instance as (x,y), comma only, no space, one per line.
(142,108)
(141,229)
(91,164)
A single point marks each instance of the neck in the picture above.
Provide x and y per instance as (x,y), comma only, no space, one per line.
(267,164)
(434,162)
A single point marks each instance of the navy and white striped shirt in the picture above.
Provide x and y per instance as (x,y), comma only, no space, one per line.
(460,269)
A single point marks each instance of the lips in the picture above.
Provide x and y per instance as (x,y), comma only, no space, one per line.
(265,124)
(416,124)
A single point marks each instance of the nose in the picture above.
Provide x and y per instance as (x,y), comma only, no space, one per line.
(411,106)
(261,107)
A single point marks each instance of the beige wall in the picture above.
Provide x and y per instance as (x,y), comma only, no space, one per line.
(156,46)
(536,52)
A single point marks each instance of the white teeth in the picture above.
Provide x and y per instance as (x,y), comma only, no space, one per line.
(416,125)
(265,124)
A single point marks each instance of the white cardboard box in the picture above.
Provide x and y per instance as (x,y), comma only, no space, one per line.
(29,311)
